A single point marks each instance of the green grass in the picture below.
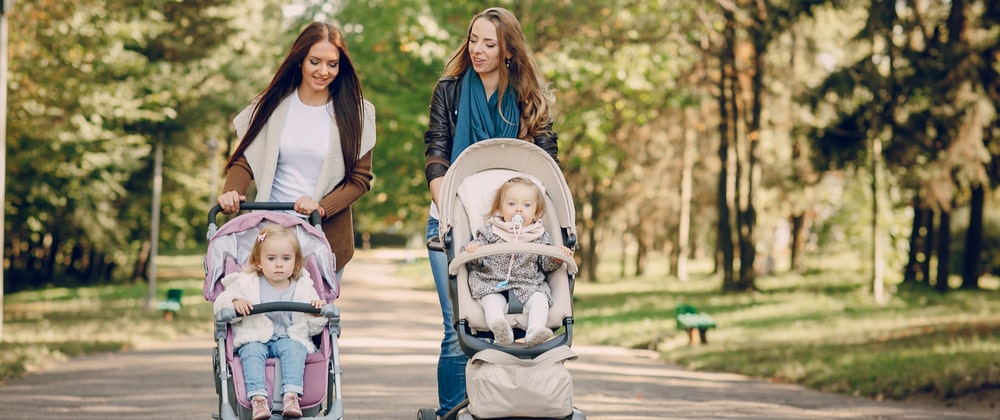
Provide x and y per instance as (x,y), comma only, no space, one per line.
(44,326)
(821,329)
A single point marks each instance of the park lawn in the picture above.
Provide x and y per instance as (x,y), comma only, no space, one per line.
(820,329)
(44,326)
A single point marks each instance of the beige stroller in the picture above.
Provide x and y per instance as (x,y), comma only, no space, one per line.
(468,188)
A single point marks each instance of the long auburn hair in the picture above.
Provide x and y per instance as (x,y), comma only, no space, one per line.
(534,96)
(345,93)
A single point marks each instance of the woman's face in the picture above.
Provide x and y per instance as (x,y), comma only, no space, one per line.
(319,68)
(484,48)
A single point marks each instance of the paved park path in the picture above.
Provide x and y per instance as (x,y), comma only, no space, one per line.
(389,346)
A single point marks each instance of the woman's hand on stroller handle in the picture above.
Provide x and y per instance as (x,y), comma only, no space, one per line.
(315,218)
(230,201)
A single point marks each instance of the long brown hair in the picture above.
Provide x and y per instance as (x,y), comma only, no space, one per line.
(345,93)
(534,96)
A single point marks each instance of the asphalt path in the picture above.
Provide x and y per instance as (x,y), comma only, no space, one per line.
(389,350)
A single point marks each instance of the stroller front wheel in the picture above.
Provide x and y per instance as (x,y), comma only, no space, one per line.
(426,414)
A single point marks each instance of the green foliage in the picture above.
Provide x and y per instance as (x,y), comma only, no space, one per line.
(94,86)
(400,48)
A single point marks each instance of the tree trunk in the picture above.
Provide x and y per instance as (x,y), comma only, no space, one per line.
(139,273)
(798,241)
(48,269)
(591,251)
(913,257)
(684,222)
(724,253)
(928,227)
(943,250)
(641,251)
(759,37)
(878,264)
(972,258)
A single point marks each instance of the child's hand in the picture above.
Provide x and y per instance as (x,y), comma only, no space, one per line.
(318,304)
(567,251)
(242,306)
(471,247)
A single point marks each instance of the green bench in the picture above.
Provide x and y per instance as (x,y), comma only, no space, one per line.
(171,305)
(690,320)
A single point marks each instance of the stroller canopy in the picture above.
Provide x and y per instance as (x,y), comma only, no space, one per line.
(229,247)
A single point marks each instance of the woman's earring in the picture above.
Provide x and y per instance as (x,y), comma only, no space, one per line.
(506,62)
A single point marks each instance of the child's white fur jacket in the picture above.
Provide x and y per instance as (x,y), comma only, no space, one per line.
(258,327)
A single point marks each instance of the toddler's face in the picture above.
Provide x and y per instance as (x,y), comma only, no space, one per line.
(277,259)
(519,199)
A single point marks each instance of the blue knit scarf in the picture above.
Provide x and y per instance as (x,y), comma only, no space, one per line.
(479,119)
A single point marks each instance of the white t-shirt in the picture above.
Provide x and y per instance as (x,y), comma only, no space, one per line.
(305,141)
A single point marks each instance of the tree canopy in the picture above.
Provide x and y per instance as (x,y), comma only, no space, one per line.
(776,103)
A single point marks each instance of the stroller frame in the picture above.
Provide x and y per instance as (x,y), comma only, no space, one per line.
(331,407)
(522,157)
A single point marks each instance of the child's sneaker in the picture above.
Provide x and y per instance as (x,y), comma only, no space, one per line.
(537,337)
(502,334)
(261,409)
(290,404)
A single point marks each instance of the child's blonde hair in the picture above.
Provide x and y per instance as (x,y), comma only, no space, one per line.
(518,180)
(271,233)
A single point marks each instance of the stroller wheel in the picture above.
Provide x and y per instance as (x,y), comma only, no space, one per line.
(426,414)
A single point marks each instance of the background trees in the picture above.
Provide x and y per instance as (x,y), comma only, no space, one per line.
(799,121)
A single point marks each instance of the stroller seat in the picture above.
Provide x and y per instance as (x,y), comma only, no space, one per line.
(468,187)
(314,376)
(474,198)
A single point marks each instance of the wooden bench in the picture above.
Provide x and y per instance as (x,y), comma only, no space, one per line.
(689,319)
(171,305)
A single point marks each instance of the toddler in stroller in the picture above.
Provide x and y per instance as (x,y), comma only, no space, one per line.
(270,278)
(515,215)
(540,387)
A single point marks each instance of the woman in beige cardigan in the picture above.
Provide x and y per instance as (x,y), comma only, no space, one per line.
(308,138)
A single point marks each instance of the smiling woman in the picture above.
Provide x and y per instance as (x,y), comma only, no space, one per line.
(308,138)
(491,88)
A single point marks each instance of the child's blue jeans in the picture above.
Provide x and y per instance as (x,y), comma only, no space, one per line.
(291,357)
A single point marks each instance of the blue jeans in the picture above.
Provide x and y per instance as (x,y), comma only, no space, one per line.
(291,356)
(452,361)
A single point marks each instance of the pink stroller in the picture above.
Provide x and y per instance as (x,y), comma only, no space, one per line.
(228,248)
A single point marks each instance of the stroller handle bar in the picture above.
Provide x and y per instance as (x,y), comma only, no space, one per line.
(513,248)
(213,214)
(329,310)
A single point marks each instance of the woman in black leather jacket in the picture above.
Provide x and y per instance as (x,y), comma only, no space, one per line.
(491,87)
